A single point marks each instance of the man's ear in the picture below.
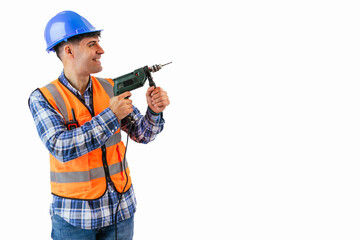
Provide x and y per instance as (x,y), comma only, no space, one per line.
(67,49)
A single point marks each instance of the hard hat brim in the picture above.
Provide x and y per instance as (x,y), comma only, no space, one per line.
(51,47)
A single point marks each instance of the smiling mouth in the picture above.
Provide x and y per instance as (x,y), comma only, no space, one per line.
(97,60)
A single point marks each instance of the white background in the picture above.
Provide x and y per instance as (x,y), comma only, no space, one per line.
(262,134)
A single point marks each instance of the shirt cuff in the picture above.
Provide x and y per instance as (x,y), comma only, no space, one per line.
(152,112)
(154,118)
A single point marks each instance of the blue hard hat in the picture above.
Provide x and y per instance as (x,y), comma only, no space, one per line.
(65,25)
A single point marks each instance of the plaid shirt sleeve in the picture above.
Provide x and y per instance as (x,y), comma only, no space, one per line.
(66,145)
(145,128)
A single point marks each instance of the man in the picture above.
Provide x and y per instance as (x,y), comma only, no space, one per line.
(79,121)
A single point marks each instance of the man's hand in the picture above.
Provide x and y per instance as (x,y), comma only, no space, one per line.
(157,99)
(121,106)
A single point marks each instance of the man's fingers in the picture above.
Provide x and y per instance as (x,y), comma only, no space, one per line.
(158,99)
(124,95)
(158,94)
(150,89)
(156,91)
(161,101)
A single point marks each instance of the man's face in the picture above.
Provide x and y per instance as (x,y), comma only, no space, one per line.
(87,54)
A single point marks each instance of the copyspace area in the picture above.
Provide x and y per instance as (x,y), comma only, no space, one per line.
(262,134)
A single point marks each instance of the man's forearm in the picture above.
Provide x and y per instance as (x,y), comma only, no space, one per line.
(66,144)
(146,127)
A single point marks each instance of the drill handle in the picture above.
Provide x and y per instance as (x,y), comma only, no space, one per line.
(149,76)
(151,82)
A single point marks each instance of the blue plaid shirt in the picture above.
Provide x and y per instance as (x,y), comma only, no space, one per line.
(66,146)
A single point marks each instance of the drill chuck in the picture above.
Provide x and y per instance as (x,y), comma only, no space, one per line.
(157,67)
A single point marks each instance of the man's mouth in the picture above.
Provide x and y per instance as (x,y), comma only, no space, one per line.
(97,60)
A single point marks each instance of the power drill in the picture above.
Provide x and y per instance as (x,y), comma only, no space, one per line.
(129,82)
(136,79)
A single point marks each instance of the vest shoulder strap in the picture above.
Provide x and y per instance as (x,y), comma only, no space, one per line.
(53,96)
(107,84)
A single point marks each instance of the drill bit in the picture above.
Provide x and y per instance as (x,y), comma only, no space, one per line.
(157,67)
(165,64)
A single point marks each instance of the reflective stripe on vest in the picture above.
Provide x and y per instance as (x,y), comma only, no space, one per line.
(59,100)
(73,177)
(84,177)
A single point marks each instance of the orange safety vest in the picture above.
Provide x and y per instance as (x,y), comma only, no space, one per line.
(86,177)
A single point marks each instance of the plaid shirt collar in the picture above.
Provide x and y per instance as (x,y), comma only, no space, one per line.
(87,98)
(65,81)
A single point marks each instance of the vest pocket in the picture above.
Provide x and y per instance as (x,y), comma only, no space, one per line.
(74,177)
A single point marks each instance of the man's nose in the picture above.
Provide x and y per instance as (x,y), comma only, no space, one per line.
(100,50)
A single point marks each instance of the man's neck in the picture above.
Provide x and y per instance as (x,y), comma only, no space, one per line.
(78,81)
